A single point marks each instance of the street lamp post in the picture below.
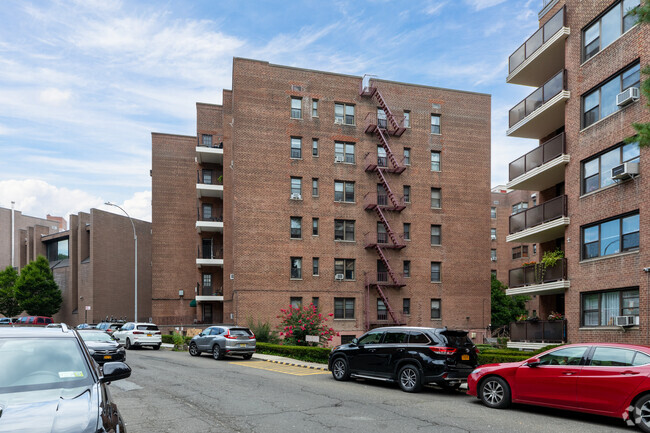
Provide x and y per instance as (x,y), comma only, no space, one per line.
(135,239)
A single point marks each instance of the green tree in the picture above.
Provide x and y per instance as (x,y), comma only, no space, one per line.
(36,291)
(505,309)
(298,323)
(8,304)
(642,13)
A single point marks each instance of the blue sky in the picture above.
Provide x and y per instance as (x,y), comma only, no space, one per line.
(83,83)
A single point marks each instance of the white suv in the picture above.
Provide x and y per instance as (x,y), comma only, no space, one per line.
(133,334)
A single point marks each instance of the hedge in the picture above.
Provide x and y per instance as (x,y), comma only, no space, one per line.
(169,339)
(303,353)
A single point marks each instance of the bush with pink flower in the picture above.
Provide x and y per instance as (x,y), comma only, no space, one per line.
(297,323)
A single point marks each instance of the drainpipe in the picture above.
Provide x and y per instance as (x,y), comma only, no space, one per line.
(647,303)
(13,236)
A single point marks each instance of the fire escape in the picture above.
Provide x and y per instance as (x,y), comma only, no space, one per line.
(383,202)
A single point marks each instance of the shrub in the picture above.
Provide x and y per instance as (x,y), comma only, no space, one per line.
(303,353)
(298,323)
(263,332)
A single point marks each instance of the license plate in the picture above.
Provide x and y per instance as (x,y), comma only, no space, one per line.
(465,357)
(107,356)
(149,335)
(242,345)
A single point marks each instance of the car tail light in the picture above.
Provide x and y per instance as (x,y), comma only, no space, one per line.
(441,350)
(252,337)
(138,332)
(476,350)
(230,337)
(157,333)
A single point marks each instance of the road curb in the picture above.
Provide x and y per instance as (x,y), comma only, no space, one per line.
(294,365)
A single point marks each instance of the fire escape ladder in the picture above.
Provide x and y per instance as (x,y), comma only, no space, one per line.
(384,142)
(388,307)
(390,271)
(389,191)
(389,114)
(384,221)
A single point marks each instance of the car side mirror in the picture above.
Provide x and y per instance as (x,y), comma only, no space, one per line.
(201,334)
(115,371)
(116,338)
(354,341)
(533,362)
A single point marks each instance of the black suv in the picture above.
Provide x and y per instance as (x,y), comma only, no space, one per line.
(409,355)
(49,382)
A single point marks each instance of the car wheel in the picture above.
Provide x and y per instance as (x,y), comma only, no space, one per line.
(156,347)
(248,356)
(194,351)
(340,369)
(409,378)
(641,414)
(217,352)
(127,345)
(495,393)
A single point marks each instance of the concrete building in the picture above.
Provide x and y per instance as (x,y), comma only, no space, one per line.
(92,263)
(313,187)
(593,202)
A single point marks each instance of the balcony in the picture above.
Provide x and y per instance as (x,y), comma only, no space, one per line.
(540,331)
(213,189)
(372,200)
(383,318)
(542,112)
(209,154)
(541,55)
(209,257)
(541,168)
(383,279)
(541,223)
(208,223)
(538,280)
(210,294)
(384,241)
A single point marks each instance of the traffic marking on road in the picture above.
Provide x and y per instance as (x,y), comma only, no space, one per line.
(279,368)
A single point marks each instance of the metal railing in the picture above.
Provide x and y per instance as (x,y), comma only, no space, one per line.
(209,253)
(382,200)
(547,151)
(203,217)
(538,98)
(540,331)
(383,239)
(533,43)
(537,274)
(547,211)
(384,279)
(211,291)
(212,180)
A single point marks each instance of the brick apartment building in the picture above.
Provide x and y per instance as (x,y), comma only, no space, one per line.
(593,202)
(92,262)
(314,187)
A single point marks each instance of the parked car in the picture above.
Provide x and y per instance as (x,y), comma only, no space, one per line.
(137,334)
(102,346)
(33,320)
(604,379)
(87,326)
(7,321)
(410,356)
(110,327)
(224,340)
(49,382)
(55,325)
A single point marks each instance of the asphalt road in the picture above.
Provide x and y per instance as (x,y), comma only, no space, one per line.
(174,392)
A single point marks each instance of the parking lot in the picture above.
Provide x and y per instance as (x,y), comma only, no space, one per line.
(173,392)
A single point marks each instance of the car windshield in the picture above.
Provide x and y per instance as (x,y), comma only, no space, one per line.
(30,364)
(240,332)
(147,328)
(96,336)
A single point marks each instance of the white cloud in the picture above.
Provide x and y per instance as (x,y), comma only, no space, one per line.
(433,7)
(483,4)
(54,96)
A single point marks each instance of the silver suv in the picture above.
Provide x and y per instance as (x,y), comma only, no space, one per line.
(224,340)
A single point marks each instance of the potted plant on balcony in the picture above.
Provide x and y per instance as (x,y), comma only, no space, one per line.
(549,259)
(522,318)
(553,317)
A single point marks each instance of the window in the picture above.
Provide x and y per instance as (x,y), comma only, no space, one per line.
(601,102)
(608,28)
(435,124)
(314,147)
(296,147)
(296,185)
(296,108)
(381,118)
(519,207)
(435,161)
(296,268)
(520,251)
(493,255)
(610,237)
(314,302)
(344,152)
(315,266)
(564,356)
(493,234)
(314,226)
(407,156)
(407,231)
(296,301)
(407,194)
(597,171)
(347,339)
(314,108)
(493,272)
(435,198)
(600,309)
(344,267)
(493,212)
(344,308)
(206,140)
(436,238)
(406,306)
(382,312)
(407,269)
(382,160)
(343,230)
(207,281)
(207,211)
(344,113)
(296,227)
(407,119)
(344,191)
(314,187)
(534,248)
(395,337)
(435,272)
(612,357)
(435,309)
(207,177)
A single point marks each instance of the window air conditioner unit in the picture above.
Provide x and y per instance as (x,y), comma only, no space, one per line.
(338,277)
(627,96)
(494,259)
(296,196)
(339,158)
(625,320)
(493,238)
(338,121)
(625,170)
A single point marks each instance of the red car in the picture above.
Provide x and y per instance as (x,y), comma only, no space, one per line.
(604,379)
